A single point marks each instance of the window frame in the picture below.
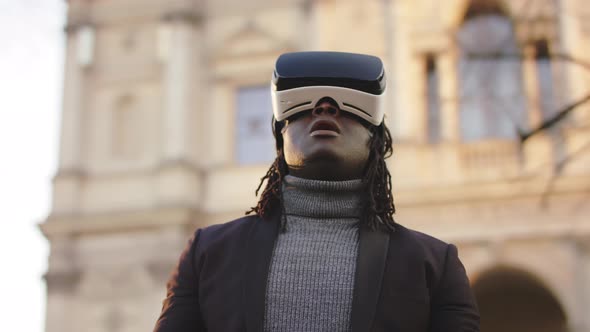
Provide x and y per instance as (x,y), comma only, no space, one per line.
(236,130)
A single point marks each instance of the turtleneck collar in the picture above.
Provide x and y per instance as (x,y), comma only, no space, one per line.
(322,199)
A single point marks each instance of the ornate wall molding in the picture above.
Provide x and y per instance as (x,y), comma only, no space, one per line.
(63,281)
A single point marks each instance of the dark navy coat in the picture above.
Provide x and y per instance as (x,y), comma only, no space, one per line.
(405,281)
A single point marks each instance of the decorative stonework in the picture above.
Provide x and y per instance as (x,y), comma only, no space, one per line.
(63,281)
(251,40)
(536,21)
(191,17)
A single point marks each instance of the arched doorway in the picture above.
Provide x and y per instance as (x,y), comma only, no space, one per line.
(511,300)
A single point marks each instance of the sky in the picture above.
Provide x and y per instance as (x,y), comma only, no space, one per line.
(31,74)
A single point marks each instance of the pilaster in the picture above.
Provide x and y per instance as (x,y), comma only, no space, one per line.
(531,86)
(581,319)
(400,60)
(62,280)
(79,55)
(180,51)
(449,96)
(180,55)
(570,42)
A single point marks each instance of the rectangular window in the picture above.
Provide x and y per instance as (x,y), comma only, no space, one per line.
(254,143)
(433,101)
(544,79)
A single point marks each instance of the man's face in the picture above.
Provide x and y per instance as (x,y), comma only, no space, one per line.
(326,144)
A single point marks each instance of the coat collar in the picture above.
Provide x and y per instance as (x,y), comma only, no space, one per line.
(373,248)
(259,248)
(370,266)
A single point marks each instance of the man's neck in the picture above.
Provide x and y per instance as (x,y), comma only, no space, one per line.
(325,172)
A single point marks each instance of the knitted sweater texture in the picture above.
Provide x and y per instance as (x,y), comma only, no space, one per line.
(311,277)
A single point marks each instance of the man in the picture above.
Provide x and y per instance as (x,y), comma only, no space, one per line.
(322,251)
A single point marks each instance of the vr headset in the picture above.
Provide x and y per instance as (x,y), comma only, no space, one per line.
(355,81)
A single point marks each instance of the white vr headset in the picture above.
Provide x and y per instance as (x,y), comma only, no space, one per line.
(355,81)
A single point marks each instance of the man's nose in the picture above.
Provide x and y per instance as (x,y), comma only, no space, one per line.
(326,108)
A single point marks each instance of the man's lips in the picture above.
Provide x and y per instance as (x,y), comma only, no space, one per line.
(324,133)
(325,127)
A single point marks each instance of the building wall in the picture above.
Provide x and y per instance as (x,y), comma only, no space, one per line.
(149,143)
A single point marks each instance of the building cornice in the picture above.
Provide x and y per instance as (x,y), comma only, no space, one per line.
(499,189)
(109,12)
(191,16)
(63,282)
(119,221)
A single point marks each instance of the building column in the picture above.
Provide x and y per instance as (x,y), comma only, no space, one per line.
(531,87)
(575,85)
(179,52)
(538,149)
(79,55)
(70,158)
(400,60)
(310,16)
(179,180)
(580,321)
(389,62)
(449,96)
(61,279)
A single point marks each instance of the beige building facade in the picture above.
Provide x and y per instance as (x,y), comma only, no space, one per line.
(166,128)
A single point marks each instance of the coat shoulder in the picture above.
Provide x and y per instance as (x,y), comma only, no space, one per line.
(433,248)
(227,232)
(436,256)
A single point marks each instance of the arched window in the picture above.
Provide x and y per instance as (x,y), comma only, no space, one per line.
(492,103)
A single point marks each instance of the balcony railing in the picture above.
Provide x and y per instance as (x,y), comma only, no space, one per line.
(490,158)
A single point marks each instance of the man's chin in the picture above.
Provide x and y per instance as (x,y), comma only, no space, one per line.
(328,167)
(324,156)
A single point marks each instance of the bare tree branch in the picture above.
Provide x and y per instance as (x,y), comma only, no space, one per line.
(560,114)
(550,122)
(520,57)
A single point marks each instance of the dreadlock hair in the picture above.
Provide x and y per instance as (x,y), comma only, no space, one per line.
(272,197)
(378,207)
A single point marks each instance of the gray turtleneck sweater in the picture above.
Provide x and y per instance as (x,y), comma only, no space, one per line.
(311,277)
